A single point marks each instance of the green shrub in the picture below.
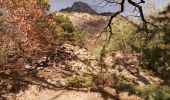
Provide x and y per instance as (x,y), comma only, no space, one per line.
(123,35)
(157,52)
(64,31)
(147,92)
(44,4)
(80,81)
(153,92)
(64,22)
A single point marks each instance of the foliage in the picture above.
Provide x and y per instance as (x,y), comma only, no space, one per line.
(147,92)
(156,57)
(157,53)
(31,20)
(44,4)
(64,22)
(124,35)
(64,31)
(21,33)
(78,81)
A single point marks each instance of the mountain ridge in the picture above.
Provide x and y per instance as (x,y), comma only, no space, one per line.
(80,7)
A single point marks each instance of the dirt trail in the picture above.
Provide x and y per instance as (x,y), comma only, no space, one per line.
(35,93)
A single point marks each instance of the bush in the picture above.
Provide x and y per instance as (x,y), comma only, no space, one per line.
(79,81)
(64,22)
(64,32)
(157,52)
(147,92)
(44,4)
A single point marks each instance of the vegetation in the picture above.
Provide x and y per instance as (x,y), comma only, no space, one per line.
(157,53)
(124,35)
(30,38)
(80,81)
(63,22)
(65,32)
(147,92)
(44,4)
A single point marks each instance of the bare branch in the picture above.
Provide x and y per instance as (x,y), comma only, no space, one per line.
(122,5)
(109,25)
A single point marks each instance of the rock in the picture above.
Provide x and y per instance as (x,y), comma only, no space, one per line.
(39,68)
(49,80)
(27,66)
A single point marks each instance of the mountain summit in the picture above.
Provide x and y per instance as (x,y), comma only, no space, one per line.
(80,7)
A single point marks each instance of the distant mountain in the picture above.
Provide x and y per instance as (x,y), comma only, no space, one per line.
(80,7)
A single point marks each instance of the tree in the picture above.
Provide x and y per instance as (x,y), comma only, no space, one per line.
(44,4)
(30,18)
(121,3)
(157,53)
(24,29)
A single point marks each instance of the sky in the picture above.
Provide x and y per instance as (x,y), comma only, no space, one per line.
(59,4)
(56,5)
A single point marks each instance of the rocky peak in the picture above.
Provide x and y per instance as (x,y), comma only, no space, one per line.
(80,7)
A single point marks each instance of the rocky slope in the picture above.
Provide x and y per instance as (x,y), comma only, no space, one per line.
(45,75)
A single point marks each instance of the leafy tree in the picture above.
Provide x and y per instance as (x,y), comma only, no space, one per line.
(64,22)
(64,31)
(157,53)
(30,18)
(44,4)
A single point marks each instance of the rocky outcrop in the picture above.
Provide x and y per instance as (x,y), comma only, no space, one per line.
(80,7)
(71,61)
(51,69)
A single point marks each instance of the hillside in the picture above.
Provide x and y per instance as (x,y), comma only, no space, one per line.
(86,22)
(67,55)
(93,25)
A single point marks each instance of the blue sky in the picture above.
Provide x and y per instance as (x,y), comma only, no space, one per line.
(59,4)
